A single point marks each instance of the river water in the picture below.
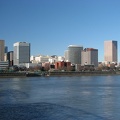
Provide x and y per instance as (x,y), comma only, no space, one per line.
(60,98)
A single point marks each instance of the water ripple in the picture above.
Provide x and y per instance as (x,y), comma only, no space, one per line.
(12,95)
(44,111)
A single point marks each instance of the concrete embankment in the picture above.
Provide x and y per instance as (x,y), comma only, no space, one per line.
(56,73)
(19,74)
(12,74)
(65,73)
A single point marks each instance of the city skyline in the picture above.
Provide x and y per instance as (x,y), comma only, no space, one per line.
(50,26)
(108,50)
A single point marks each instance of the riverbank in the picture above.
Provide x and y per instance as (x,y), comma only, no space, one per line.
(57,73)
(19,74)
(12,74)
(78,73)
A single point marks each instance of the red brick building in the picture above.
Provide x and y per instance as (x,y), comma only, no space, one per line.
(61,65)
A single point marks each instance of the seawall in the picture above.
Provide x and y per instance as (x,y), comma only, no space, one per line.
(12,74)
(74,73)
(19,74)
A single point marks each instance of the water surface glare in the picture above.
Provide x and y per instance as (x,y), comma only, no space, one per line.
(60,98)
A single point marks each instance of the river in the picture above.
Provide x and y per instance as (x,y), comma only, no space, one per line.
(60,98)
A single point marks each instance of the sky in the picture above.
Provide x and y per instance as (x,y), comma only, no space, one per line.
(52,25)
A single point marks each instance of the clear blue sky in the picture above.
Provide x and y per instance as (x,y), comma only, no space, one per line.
(51,25)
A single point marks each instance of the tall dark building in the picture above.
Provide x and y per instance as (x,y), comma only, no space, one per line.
(6,49)
(10,58)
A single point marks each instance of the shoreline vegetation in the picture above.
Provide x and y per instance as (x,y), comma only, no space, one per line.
(57,73)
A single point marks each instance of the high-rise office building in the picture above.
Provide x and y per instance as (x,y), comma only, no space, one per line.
(110,51)
(74,54)
(66,55)
(89,56)
(6,49)
(21,53)
(2,50)
(10,58)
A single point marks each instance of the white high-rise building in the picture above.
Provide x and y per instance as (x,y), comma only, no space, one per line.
(66,55)
(110,51)
(89,56)
(21,53)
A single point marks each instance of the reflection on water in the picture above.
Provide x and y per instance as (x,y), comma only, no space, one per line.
(88,97)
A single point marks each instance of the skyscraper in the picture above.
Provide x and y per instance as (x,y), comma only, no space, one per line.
(6,49)
(10,58)
(110,51)
(74,54)
(89,56)
(2,50)
(21,53)
(66,55)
